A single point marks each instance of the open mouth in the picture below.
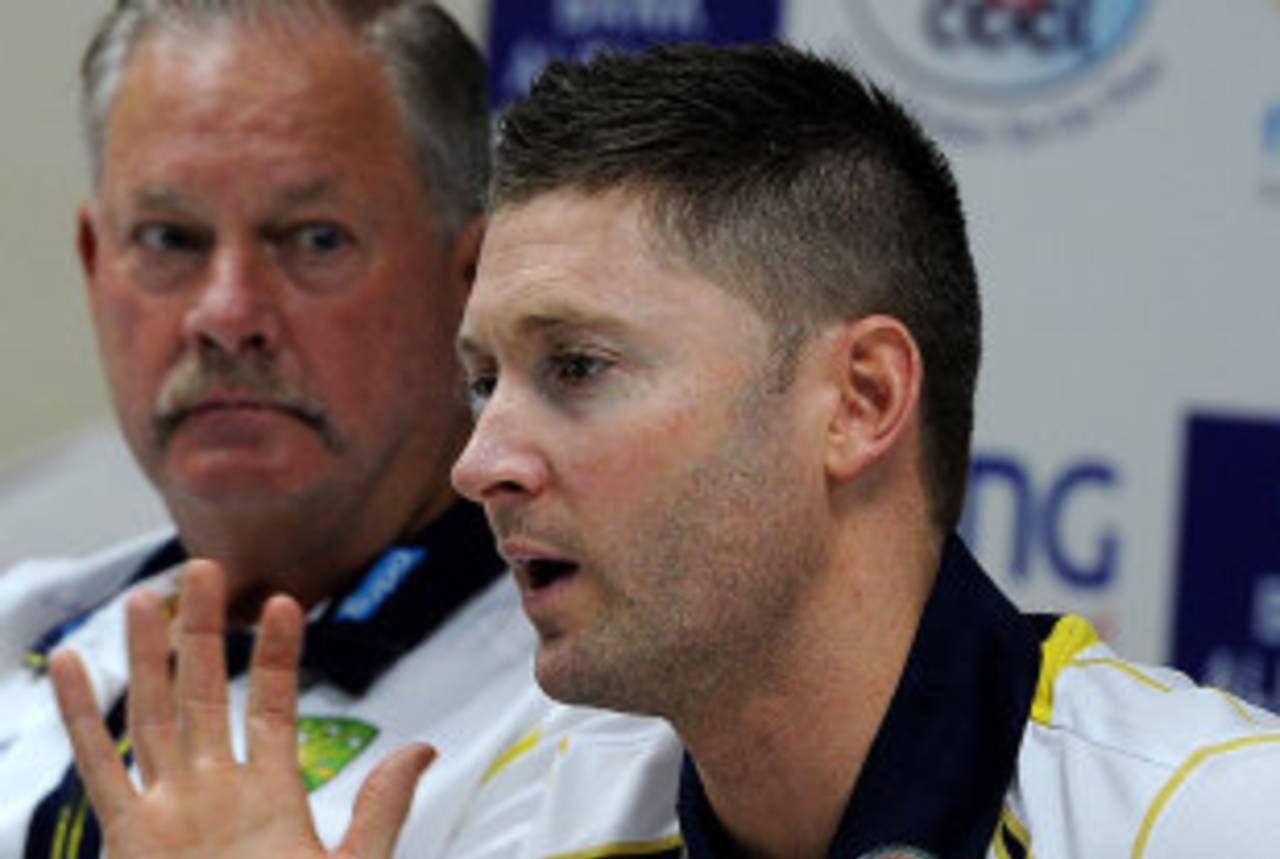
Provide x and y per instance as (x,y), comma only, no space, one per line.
(543,572)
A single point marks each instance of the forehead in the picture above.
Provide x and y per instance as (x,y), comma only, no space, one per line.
(255,97)
(573,258)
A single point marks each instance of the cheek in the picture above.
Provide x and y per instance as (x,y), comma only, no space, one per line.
(383,369)
(634,463)
(136,341)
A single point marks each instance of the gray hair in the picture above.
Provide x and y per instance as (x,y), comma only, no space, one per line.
(434,70)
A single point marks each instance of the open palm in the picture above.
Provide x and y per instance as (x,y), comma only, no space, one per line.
(197,801)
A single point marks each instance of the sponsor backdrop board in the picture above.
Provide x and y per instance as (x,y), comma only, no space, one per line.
(1120,160)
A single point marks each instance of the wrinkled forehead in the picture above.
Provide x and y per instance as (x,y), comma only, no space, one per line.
(293,19)
(241,97)
(253,67)
(214,38)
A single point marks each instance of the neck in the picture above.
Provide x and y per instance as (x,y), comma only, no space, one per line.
(779,754)
(291,548)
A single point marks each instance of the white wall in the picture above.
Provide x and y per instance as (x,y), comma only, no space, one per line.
(49,381)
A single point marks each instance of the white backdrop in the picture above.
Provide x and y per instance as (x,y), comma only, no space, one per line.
(1128,258)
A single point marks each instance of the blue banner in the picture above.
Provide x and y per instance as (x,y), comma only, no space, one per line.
(1227,622)
(525,34)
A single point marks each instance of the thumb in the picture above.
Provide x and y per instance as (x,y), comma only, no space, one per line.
(383,803)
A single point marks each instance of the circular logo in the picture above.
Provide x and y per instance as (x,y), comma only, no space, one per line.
(897,851)
(986,48)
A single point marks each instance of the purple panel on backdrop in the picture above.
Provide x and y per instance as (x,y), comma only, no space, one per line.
(1227,621)
(524,34)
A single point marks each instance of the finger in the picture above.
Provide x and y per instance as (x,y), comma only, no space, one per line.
(151,720)
(202,673)
(101,769)
(272,723)
(383,802)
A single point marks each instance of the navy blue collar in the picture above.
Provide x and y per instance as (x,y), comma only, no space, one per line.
(936,775)
(408,591)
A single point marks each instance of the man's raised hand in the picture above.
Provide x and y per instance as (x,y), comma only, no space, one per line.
(196,800)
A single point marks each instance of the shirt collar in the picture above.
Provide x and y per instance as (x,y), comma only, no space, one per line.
(390,607)
(935,777)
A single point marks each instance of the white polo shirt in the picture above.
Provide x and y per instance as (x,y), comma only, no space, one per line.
(518,776)
(1136,761)
(1013,736)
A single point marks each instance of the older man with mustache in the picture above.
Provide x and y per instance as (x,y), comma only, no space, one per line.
(282,230)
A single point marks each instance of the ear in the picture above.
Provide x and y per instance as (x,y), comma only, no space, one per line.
(87,242)
(465,254)
(878,372)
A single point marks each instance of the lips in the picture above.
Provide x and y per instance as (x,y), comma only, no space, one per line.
(168,419)
(535,568)
(224,405)
(243,402)
(210,381)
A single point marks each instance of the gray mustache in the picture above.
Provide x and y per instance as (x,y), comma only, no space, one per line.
(190,385)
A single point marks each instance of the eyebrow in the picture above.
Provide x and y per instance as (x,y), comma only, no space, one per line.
(152,197)
(556,318)
(162,195)
(307,192)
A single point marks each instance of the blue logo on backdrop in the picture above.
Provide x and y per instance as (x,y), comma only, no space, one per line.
(1050,519)
(998,47)
(1271,132)
(1269,185)
(525,34)
(1020,72)
(1227,621)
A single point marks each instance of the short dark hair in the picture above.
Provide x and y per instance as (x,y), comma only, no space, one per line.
(793,181)
(435,72)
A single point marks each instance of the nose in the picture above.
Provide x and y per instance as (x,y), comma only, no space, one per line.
(502,462)
(236,311)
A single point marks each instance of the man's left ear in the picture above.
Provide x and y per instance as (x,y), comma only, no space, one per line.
(878,371)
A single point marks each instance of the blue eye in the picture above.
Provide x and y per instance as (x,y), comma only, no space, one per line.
(576,368)
(167,238)
(321,239)
(479,389)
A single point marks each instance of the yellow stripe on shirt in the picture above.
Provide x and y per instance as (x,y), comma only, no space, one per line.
(1198,757)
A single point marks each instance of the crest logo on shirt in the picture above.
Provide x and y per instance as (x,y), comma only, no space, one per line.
(327,744)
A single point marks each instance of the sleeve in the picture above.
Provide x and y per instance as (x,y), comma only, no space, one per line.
(1224,800)
(584,783)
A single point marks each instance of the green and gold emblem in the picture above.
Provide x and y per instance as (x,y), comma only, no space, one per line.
(326,745)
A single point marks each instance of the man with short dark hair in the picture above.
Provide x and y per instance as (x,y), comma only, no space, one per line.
(722,350)
(283,228)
